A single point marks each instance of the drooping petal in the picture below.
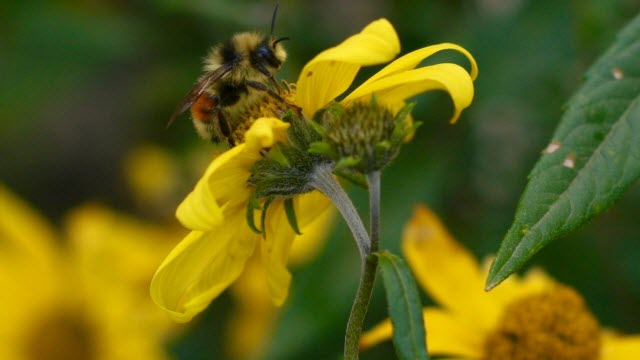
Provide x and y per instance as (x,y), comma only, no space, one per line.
(253,315)
(279,237)
(202,266)
(414,58)
(224,184)
(446,270)
(446,335)
(619,347)
(315,207)
(331,72)
(394,89)
(275,247)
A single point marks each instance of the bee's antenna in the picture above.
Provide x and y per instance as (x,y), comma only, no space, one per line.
(279,40)
(273,18)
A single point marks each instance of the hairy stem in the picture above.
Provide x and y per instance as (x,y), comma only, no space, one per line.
(323,180)
(368,274)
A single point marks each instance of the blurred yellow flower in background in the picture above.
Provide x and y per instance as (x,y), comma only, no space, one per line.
(84,296)
(532,317)
(214,254)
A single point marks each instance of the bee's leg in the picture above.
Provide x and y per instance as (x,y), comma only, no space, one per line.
(222,123)
(268,74)
(262,87)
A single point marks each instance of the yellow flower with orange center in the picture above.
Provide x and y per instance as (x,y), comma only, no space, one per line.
(214,254)
(530,317)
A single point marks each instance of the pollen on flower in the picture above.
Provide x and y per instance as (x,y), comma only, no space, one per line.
(268,106)
(552,325)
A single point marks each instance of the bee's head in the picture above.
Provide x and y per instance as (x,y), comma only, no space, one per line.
(269,54)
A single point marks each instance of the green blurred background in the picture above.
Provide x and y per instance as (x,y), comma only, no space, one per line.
(84,83)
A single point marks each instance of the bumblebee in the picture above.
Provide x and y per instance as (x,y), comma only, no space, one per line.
(238,73)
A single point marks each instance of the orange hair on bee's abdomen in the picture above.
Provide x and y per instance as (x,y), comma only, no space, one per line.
(203,109)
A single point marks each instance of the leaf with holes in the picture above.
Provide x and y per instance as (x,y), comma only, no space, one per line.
(593,157)
(405,308)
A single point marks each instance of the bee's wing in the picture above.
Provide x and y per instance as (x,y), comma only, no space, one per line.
(198,89)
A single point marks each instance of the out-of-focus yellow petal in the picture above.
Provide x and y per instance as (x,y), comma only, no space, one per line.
(331,72)
(152,174)
(24,233)
(620,347)
(447,334)
(117,247)
(252,319)
(202,266)
(317,208)
(396,88)
(446,270)
(414,58)
(224,183)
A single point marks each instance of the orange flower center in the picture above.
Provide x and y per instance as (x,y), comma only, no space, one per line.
(553,325)
(62,335)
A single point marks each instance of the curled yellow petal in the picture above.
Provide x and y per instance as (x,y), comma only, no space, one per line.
(201,267)
(414,58)
(331,72)
(446,270)
(396,88)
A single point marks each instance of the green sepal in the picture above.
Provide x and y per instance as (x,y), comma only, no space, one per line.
(263,215)
(251,206)
(347,162)
(318,128)
(291,215)
(323,149)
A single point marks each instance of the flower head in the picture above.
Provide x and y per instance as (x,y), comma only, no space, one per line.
(266,176)
(84,298)
(532,317)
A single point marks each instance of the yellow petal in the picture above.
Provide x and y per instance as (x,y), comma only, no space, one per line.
(446,270)
(315,218)
(414,58)
(253,314)
(202,266)
(24,233)
(224,184)
(398,87)
(446,335)
(275,247)
(331,72)
(620,347)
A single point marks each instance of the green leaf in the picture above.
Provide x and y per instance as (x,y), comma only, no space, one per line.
(593,158)
(405,308)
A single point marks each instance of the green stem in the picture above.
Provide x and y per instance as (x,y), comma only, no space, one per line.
(323,180)
(368,275)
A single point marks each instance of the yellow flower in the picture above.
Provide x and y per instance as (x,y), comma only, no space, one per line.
(532,317)
(86,298)
(213,256)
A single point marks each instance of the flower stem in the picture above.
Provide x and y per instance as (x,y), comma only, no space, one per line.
(323,180)
(368,275)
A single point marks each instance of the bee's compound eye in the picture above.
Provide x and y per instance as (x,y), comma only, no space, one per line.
(264,54)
